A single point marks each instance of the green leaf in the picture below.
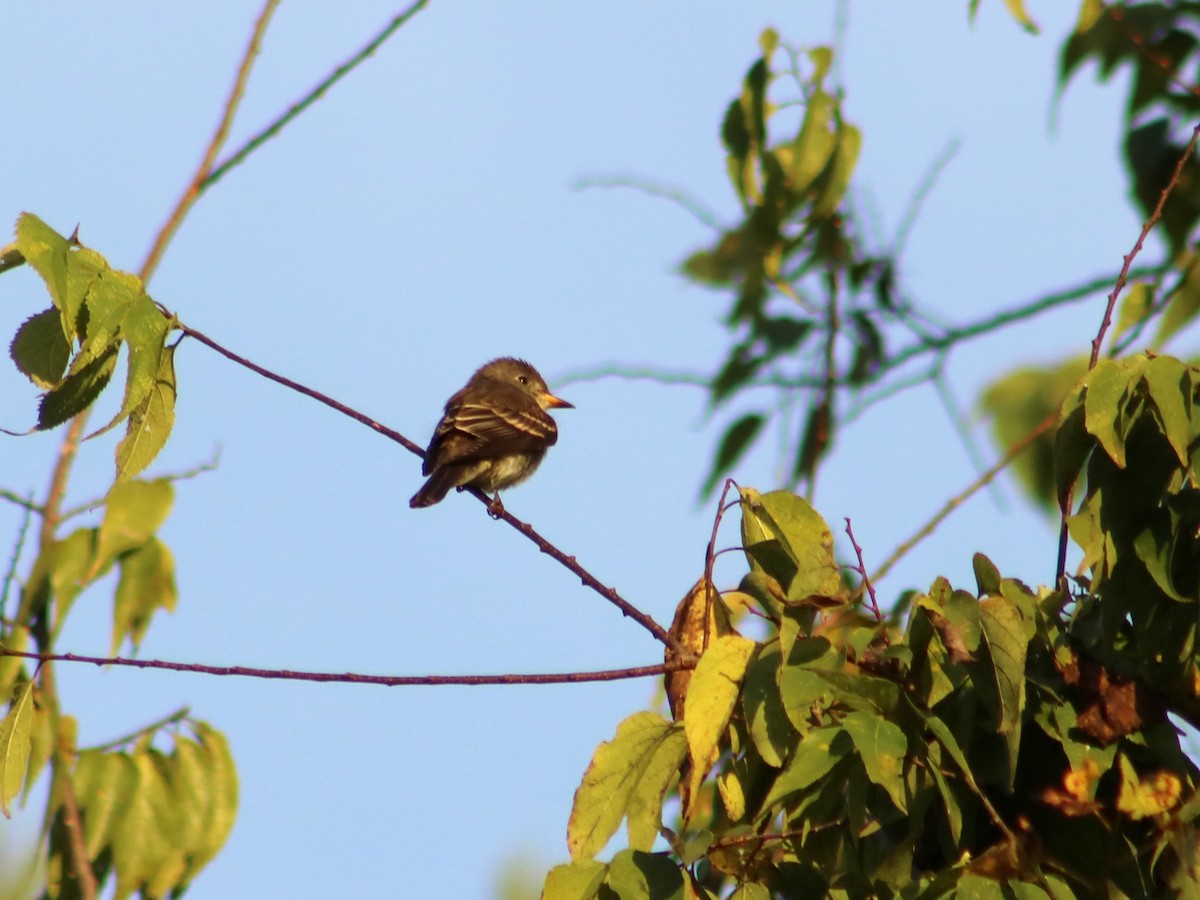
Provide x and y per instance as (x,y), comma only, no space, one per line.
(1170,387)
(987,576)
(1016,9)
(712,697)
(133,513)
(69,566)
(635,875)
(46,252)
(578,880)
(849,144)
(644,809)
(1072,445)
(119,310)
(816,754)
(1183,303)
(39,349)
(1136,307)
(1107,387)
(141,842)
(803,535)
(150,423)
(945,737)
(736,441)
(104,786)
(815,144)
(222,794)
(766,718)
(882,746)
(14,746)
(612,776)
(147,583)
(1001,677)
(82,385)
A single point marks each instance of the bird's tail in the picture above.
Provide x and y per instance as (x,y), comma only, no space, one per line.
(433,490)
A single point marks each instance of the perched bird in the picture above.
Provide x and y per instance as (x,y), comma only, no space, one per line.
(494,433)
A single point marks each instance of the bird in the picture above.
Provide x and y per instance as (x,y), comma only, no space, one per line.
(493,434)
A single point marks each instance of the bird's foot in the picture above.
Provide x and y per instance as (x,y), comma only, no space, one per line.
(495,508)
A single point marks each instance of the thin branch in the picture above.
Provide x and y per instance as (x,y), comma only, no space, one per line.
(587,578)
(356,678)
(178,716)
(196,185)
(1137,246)
(924,188)
(239,155)
(676,195)
(11,575)
(954,502)
(861,569)
(1067,501)
(930,344)
(710,554)
(193,472)
(306,391)
(16,499)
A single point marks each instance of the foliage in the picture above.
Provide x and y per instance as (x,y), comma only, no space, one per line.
(999,742)
(152,820)
(1006,742)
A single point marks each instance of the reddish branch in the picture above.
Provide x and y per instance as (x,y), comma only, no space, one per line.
(355,678)
(1065,510)
(861,569)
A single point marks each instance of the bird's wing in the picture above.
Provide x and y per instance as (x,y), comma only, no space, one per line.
(470,431)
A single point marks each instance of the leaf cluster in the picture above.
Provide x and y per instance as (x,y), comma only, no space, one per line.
(1000,742)
(149,819)
(799,278)
(70,349)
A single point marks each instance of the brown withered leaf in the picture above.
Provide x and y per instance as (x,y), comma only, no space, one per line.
(693,630)
(1110,706)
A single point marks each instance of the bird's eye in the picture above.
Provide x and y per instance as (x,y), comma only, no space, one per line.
(523,379)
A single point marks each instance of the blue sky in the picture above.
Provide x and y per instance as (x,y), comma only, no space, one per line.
(423,218)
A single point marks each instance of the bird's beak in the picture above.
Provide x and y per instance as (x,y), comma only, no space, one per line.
(549,401)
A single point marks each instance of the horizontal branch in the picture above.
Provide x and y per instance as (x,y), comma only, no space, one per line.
(356,678)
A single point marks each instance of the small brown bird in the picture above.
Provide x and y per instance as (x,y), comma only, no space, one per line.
(493,435)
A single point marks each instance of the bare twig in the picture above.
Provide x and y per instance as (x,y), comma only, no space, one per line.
(11,575)
(861,569)
(193,472)
(178,716)
(239,155)
(196,185)
(1067,501)
(924,188)
(356,678)
(935,344)
(710,553)
(306,391)
(954,502)
(588,579)
(1137,246)
(16,499)
(676,195)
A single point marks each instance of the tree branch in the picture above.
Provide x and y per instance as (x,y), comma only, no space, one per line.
(196,185)
(356,678)
(239,155)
